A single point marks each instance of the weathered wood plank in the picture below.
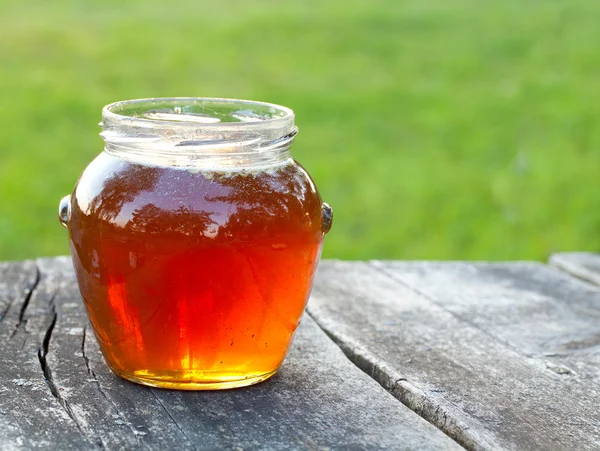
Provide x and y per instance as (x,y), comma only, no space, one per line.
(319,399)
(584,265)
(30,416)
(482,351)
(536,310)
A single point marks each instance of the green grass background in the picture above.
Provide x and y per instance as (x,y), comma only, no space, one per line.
(438,129)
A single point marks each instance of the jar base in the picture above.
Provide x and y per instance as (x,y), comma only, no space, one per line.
(204,381)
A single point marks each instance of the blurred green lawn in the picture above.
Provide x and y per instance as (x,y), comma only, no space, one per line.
(438,129)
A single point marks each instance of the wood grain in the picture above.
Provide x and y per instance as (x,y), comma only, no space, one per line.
(496,355)
(58,393)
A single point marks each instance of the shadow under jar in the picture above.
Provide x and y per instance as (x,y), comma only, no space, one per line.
(195,238)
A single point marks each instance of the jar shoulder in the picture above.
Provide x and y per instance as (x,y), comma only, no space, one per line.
(113,190)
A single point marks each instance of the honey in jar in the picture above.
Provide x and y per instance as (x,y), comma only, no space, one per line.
(195,238)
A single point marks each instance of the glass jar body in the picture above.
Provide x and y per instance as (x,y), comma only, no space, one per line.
(192,278)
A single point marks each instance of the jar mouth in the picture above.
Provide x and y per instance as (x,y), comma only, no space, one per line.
(195,131)
(194,112)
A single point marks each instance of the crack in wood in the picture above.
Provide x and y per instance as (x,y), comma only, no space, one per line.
(403,390)
(4,312)
(29,292)
(92,373)
(32,287)
(171,417)
(47,371)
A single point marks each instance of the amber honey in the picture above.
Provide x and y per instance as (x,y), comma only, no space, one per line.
(194,278)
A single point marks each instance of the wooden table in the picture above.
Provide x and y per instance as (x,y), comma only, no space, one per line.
(394,355)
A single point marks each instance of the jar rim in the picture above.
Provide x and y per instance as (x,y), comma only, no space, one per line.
(199,131)
(113,113)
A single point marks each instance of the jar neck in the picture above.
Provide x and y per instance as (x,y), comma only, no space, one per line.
(199,132)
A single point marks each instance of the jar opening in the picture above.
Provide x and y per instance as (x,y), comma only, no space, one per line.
(192,111)
(187,131)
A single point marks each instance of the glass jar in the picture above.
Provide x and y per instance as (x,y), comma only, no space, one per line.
(195,238)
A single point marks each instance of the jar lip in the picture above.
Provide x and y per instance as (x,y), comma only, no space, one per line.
(116,113)
(199,131)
